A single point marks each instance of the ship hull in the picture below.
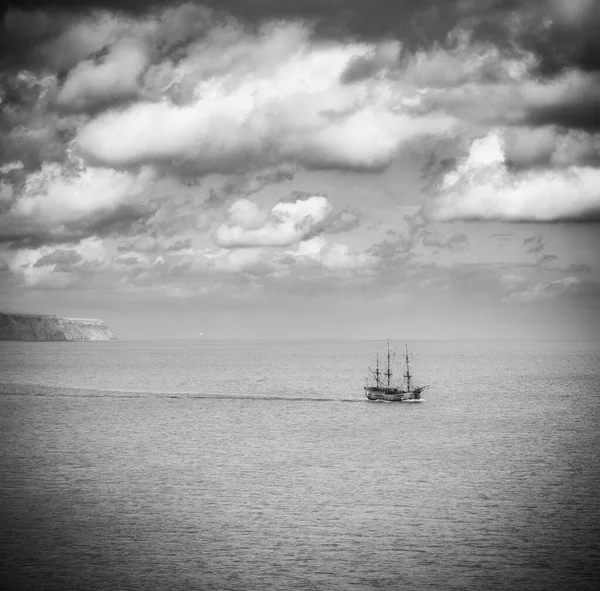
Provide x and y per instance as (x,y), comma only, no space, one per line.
(391,395)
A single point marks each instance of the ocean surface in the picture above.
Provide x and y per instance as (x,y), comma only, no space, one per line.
(259,465)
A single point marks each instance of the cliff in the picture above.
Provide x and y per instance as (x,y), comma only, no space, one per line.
(31,327)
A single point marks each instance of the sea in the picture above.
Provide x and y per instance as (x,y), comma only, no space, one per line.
(260,465)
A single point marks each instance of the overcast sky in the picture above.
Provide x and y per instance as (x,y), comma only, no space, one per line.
(276,168)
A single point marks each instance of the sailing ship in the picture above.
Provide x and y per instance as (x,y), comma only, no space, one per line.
(381,387)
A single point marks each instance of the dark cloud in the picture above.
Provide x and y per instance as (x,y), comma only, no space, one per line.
(417,21)
(590,214)
(29,132)
(571,101)
(407,245)
(33,233)
(298,196)
(360,68)
(180,245)
(146,240)
(547,258)
(577,268)
(550,147)
(104,81)
(583,116)
(129,261)
(120,220)
(74,6)
(247,184)
(563,34)
(335,223)
(31,28)
(62,257)
(37,38)
(56,36)
(534,243)
(453,241)
(439,157)
(385,56)
(389,250)
(343,221)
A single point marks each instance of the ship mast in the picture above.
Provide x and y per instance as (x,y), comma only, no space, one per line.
(377,373)
(388,373)
(407,374)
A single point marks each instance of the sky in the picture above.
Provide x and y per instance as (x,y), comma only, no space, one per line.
(426,169)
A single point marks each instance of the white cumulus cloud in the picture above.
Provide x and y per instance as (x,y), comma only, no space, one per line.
(59,196)
(238,101)
(67,203)
(482,188)
(284,224)
(334,256)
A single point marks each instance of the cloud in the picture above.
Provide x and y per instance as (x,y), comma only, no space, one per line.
(106,80)
(357,19)
(60,259)
(283,225)
(246,184)
(482,188)
(128,261)
(463,60)
(383,56)
(527,148)
(563,34)
(342,221)
(120,117)
(334,256)
(547,258)
(560,33)
(570,100)
(520,289)
(232,261)
(10,167)
(508,92)
(143,267)
(47,268)
(534,244)
(452,241)
(417,243)
(54,38)
(67,203)
(180,245)
(550,147)
(578,268)
(272,97)
(30,133)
